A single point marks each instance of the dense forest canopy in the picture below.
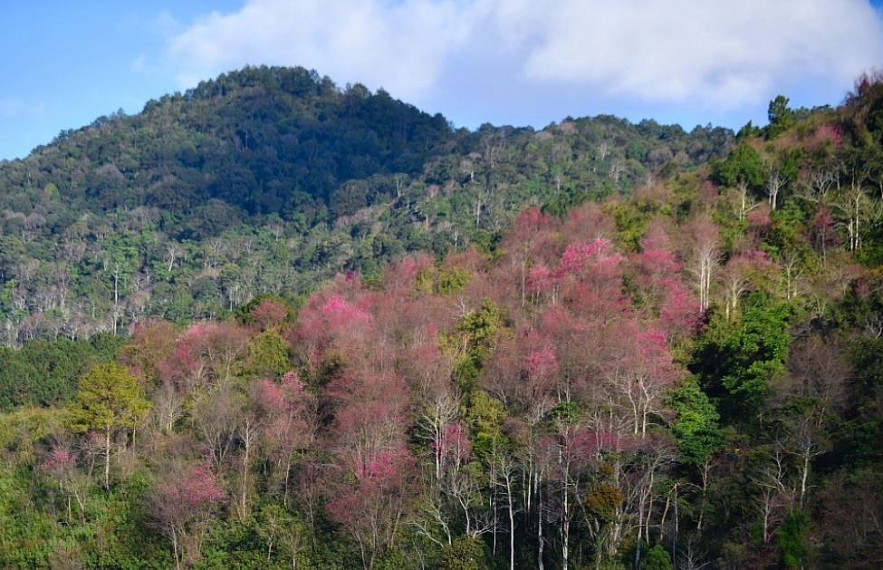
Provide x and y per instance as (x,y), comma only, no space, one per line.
(270,322)
(268,180)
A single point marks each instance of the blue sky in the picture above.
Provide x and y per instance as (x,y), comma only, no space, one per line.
(520,62)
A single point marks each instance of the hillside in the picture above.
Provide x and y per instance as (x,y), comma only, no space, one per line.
(268,180)
(596,345)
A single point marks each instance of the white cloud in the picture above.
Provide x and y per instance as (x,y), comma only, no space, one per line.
(727,53)
(401,46)
(712,53)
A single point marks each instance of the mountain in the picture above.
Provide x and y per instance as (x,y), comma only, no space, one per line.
(670,356)
(266,140)
(271,179)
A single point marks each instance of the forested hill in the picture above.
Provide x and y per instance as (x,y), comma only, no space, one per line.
(270,179)
(267,140)
(672,357)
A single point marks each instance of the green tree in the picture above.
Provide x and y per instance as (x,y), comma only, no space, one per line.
(696,428)
(474,337)
(657,558)
(108,399)
(465,553)
(780,115)
(743,165)
(738,361)
(485,415)
(792,539)
(268,355)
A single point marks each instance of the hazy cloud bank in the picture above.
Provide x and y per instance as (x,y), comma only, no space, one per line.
(721,54)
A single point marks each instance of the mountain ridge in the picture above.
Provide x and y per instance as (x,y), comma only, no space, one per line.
(324,179)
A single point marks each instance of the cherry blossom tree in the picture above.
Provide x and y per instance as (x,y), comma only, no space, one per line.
(61,466)
(288,418)
(181,502)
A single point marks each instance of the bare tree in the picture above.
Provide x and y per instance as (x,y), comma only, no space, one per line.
(775,493)
(774,183)
(505,478)
(704,257)
(746,204)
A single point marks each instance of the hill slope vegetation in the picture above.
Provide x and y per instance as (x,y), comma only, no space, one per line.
(649,352)
(268,180)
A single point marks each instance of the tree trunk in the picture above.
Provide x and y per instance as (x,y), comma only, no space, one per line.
(175,547)
(565,529)
(107,458)
(540,529)
(704,473)
(804,476)
(511,532)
